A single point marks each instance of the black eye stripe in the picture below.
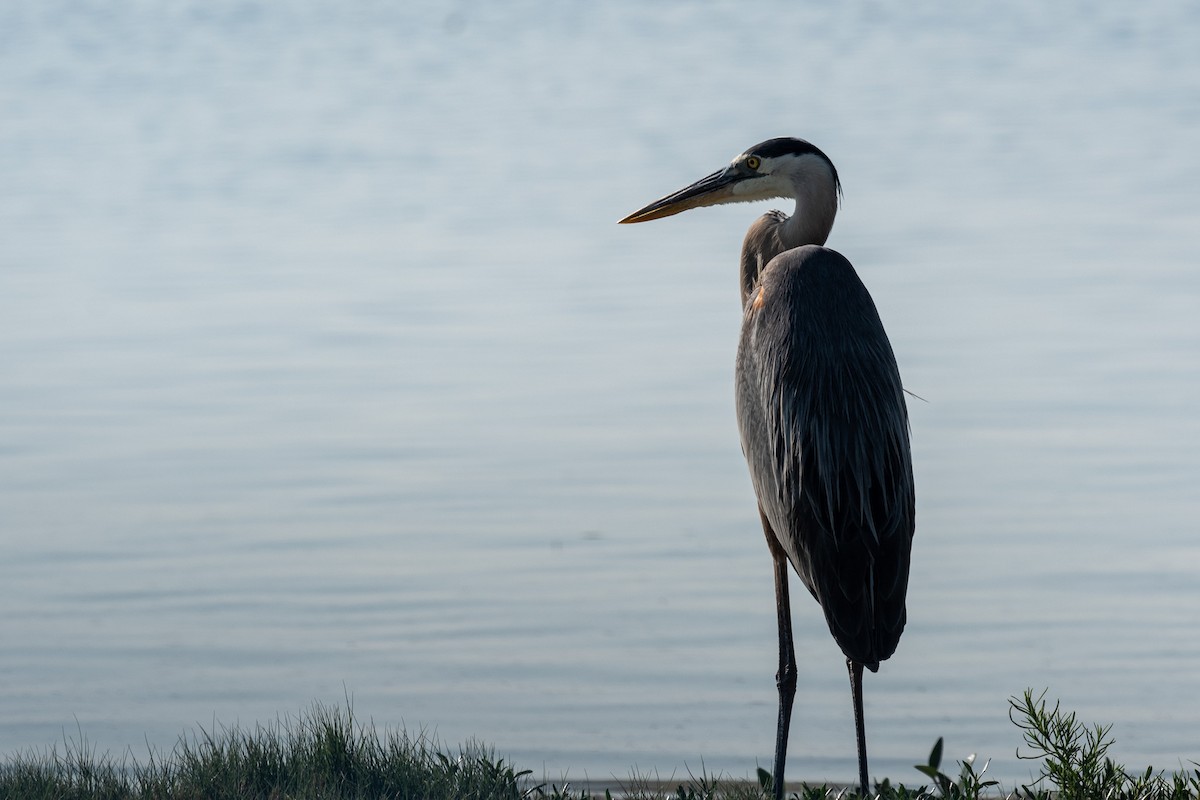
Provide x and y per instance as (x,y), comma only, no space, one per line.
(773,148)
(788,146)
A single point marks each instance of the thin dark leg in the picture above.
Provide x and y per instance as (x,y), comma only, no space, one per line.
(856,673)
(785,678)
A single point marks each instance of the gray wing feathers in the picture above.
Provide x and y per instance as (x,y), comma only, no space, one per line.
(825,432)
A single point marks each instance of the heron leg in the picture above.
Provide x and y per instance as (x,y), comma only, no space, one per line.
(856,674)
(785,678)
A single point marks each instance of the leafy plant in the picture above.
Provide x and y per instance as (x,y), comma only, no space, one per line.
(1075,758)
(970,784)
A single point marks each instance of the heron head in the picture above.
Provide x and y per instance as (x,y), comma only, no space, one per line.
(771,169)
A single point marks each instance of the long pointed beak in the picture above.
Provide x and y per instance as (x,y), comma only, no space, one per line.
(708,191)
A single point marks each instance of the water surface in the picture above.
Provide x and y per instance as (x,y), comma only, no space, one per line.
(327,373)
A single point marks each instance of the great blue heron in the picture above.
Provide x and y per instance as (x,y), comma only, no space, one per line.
(822,416)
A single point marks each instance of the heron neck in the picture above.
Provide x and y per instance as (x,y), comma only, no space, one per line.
(775,232)
(816,207)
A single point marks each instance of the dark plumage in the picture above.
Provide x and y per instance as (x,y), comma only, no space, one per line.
(825,434)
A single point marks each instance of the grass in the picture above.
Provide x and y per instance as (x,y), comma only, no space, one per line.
(327,753)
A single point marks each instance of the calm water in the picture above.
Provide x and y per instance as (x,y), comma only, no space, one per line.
(325,371)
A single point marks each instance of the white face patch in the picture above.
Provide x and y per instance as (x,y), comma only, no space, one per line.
(773,183)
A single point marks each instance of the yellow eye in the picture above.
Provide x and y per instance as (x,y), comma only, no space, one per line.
(753,162)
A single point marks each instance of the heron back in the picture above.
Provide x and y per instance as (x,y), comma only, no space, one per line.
(824,428)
